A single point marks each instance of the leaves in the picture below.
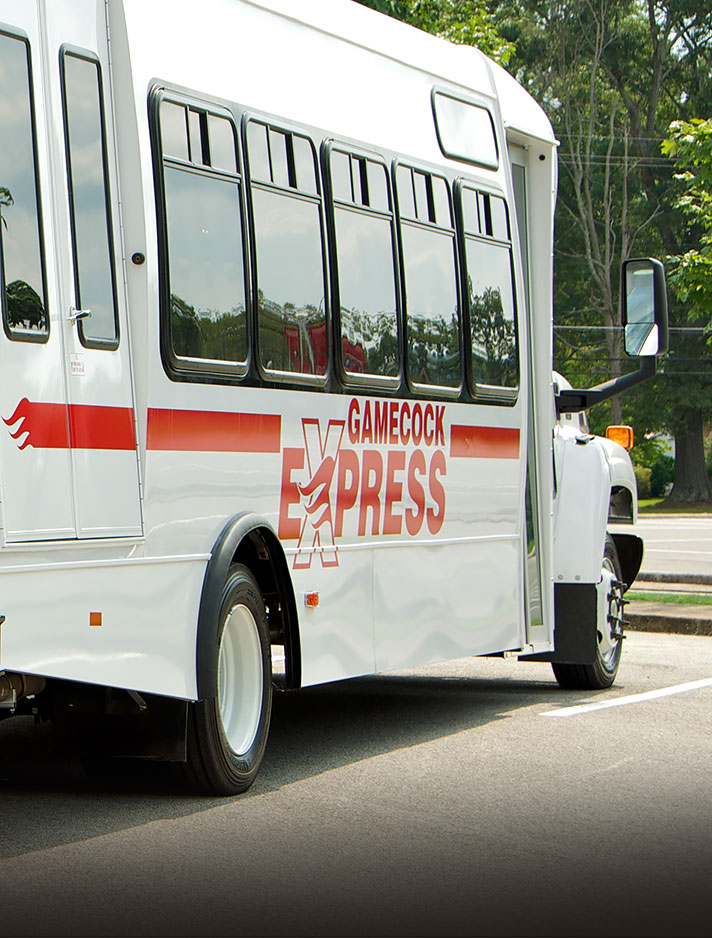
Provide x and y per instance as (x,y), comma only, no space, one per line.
(690,146)
(464,22)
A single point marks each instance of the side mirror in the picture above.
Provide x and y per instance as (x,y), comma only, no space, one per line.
(644,307)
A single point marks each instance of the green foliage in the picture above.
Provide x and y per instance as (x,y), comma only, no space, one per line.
(647,450)
(642,477)
(464,22)
(662,474)
(690,145)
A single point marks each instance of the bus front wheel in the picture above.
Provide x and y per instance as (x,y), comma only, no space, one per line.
(227,733)
(602,673)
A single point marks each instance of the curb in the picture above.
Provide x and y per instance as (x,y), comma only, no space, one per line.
(703,579)
(681,620)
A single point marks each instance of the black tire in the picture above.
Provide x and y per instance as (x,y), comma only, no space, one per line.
(602,673)
(227,734)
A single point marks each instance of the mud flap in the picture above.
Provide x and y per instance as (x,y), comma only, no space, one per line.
(575,621)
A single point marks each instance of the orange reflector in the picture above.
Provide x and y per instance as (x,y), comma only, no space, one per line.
(94,618)
(311,600)
(622,435)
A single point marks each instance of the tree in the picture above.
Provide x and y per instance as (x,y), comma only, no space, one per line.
(641,63)
(464,22)
(690,145)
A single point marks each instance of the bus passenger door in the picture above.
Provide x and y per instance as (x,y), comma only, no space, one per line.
(92,297)
(531,203)
(35,464)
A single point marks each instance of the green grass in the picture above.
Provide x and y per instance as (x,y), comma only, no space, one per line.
(681,599)
(661,505)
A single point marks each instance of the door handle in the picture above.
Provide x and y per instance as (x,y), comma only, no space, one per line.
(76,314)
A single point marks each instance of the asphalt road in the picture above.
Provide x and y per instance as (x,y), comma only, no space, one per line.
(442,801)
(676,543)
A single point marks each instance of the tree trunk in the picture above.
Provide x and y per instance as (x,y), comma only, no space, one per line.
(692,483)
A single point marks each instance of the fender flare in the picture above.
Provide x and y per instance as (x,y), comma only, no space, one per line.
(630,554)
(233,534)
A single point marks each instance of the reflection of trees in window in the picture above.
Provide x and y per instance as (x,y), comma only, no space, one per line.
(494,351)
(209,335)
(363,220)
(289,248)
(433,349)
(24,306)
(429,266)
(369,343)
(206,301)
(492,329)
(292,338)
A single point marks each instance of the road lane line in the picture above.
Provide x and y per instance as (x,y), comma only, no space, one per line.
(631,698)
(660,550)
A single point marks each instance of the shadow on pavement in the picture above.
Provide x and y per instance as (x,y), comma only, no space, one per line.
(54,791)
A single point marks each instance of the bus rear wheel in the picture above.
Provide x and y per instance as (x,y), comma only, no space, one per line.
(227,733)
(602,673)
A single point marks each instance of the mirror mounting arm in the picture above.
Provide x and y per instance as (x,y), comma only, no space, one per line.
(571,401)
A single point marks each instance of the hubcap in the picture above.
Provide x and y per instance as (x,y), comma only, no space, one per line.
(240,679)
(612,628)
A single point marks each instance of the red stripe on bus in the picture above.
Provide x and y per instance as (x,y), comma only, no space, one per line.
(95,427)
(484,442)
(216,432)
(78,426)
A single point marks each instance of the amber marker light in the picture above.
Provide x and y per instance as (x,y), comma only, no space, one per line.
(94,618)
(311,600)
(622,435)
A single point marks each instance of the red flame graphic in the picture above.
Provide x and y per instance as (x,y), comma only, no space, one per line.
(45,425)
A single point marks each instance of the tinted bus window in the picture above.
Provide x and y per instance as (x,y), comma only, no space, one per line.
(205,316)
(491,300)
(24,298)
(430,279)
(363,222)
(289,248)
(94,283)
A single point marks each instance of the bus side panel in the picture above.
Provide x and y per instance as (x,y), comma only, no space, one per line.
(121,625)
(464,602)
(336,637)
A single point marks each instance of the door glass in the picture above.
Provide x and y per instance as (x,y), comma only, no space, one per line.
(91,223)
(24,304)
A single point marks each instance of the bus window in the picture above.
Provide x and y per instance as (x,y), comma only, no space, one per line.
(23,302)
(465,130)
(365,260)
(491,302)
(430,280)
(94,283)
(289,248)
(204,312)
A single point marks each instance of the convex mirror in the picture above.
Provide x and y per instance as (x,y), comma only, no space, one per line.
(644,301)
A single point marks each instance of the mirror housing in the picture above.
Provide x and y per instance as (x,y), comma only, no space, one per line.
(644,312)
(644,307)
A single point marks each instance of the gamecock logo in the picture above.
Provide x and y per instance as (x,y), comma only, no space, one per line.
(377,473)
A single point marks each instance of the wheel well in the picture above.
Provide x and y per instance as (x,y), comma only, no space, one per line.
(261,552)
(620,508)
(630,554)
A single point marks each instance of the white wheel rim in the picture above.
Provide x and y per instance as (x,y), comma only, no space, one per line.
(240,679)
(608,645)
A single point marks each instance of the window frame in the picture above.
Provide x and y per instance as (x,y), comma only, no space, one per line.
(13,335)
(486,393)
(83,55)
(452,153)
(416,387)
(351,380)
(319,198)
(180,368)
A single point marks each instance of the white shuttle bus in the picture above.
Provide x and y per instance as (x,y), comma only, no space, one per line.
(276,396)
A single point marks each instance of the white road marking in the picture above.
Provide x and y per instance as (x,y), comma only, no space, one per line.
(631,698)
(659,550)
